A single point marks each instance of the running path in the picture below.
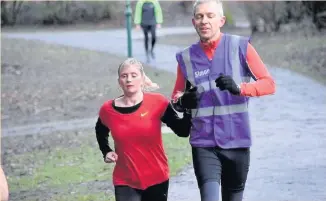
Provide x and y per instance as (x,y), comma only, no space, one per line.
(288,160)
(113,41)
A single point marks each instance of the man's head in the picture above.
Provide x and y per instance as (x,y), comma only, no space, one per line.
(208,19)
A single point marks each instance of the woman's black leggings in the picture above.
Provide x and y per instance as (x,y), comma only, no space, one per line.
(215,165)
(158,192)
(152,29)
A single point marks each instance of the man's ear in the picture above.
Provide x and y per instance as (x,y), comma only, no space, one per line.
(193,21)
(222,21)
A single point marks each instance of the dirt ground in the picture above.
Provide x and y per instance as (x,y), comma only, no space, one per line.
(34,90)
(46,83)
(43,82)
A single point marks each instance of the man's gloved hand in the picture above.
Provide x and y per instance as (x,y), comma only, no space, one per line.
(189,99)
(225,82)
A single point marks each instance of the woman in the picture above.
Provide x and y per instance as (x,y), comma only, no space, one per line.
(134,119)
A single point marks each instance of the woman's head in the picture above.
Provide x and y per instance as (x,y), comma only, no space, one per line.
(132,78)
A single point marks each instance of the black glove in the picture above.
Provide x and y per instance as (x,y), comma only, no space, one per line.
(189,99)
(225,82)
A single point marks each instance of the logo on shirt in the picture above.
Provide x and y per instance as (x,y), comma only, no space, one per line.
(201,73)
(143,114)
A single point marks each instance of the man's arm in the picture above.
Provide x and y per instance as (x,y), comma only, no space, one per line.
(180,84)
(264,83)
(184,96)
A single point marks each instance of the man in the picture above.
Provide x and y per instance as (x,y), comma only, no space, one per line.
(148,16)
(216,73)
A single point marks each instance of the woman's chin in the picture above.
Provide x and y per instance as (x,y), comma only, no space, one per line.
(130,90)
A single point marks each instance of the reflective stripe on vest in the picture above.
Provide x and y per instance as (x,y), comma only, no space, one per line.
(210,85)
(220,110)
(235,41)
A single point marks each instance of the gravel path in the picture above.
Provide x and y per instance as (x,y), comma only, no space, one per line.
(288,160)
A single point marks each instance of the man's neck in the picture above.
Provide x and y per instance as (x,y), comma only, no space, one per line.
(213,39)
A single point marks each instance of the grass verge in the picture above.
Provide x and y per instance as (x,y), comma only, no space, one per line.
(73,170)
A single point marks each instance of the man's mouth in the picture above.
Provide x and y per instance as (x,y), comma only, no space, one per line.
(204,29)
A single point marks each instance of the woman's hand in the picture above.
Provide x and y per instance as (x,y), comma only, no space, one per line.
(111,157)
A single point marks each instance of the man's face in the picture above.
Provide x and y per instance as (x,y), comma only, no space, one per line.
(207,21)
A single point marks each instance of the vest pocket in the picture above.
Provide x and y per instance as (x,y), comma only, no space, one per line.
(202,127)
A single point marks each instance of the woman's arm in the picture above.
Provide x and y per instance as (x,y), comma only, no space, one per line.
(102,134)
(180,126)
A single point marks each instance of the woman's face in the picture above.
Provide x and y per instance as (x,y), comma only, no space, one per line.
(131,79)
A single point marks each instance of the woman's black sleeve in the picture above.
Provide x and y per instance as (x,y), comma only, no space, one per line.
(102,135)
(180,126)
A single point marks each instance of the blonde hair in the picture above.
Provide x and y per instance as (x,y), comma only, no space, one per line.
(219,3)
(148,84)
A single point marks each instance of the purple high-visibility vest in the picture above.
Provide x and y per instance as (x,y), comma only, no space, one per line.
(221,118)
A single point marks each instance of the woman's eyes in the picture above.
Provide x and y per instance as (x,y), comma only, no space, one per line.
(133,76)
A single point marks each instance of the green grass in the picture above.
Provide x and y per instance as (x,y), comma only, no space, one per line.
(178,151)
(67,168)
(229,17)
(62,167)
(84,197)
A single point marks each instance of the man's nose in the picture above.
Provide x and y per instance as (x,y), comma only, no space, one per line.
(205,19)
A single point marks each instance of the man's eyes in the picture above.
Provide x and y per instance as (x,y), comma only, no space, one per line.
(210,15)
(198,16)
